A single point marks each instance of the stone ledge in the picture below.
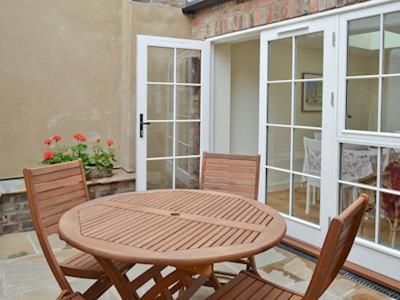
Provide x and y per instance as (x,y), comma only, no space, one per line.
(119,175)
(14,208)
(17,186)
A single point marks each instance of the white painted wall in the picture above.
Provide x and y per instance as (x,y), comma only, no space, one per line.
(222,98)
(245,63)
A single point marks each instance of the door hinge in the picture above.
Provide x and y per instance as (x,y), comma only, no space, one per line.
(332,99)
(333,39)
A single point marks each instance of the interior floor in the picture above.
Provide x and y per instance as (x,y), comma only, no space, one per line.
(280,201)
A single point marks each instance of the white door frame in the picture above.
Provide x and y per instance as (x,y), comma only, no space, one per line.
(143,42)
(298,228)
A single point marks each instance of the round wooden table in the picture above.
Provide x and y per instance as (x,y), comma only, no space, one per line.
(188,229)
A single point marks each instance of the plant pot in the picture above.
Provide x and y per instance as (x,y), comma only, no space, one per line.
(98,173)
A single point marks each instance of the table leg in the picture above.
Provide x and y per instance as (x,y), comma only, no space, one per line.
(120,281)
(193,287)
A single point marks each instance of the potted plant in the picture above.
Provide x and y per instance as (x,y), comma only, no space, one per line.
(98,163)
(102,159)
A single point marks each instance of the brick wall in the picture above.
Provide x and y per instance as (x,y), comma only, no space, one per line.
(238,14)
(172,3)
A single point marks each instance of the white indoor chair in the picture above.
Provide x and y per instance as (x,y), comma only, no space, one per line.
(312,166)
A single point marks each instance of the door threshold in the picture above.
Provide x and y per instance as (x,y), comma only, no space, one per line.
(382,283)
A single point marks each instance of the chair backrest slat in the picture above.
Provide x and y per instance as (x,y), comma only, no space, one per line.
(338,242)
(53,190)
(56,189)
(231,173)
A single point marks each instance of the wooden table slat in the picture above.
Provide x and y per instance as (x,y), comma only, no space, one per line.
(172,227)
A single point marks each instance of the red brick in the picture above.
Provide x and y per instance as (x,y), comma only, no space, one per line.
(233,16)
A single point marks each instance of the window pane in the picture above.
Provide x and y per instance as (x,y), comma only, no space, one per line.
(306,198)
(391,104)
(310,54)
(390,174)
(350,193)
(358,164)
(160,66)
(277,190)
(307,152)
(363,46)
(280,59)
(159,139)
(361,104)
(309,103)
(159,174)
(278,147)
(187,102)
(187,173)
(187,138)
(160,102)
(279,103)
(392,43)
(188,66)
(390,211)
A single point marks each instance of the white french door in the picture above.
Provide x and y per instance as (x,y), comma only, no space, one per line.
(368,131)
(172,111)
(297,125)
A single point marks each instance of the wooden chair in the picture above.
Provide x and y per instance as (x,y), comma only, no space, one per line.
(52,190)
(235,174)
(67,295)
(231,173)
(338,242)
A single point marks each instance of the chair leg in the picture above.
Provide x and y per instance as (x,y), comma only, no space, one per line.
(314,201)
(97,289)
(252,267)
(355,193)
(214,282)
(362,225)
(395,228)
(308,199)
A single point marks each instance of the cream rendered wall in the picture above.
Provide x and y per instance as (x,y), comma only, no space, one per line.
(69,66)
(60,69)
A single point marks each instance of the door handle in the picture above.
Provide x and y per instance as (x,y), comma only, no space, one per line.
(141,125)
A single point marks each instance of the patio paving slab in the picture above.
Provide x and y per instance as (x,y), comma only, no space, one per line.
(24,273)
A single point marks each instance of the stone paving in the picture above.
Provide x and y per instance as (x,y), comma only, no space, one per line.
(24,273)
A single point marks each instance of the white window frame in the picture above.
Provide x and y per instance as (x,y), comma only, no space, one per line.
(359,136)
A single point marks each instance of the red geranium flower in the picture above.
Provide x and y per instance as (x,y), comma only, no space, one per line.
(48,155)
(97,141)
(79,137)
(56,138)
(47,142)
(109,142)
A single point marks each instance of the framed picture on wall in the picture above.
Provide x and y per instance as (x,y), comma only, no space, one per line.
(312,94)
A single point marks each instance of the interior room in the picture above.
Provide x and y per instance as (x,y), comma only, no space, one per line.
(236,115)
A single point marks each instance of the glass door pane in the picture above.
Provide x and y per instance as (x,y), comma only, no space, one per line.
(294,125)
(372,104)
(373,74)
(171,99)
